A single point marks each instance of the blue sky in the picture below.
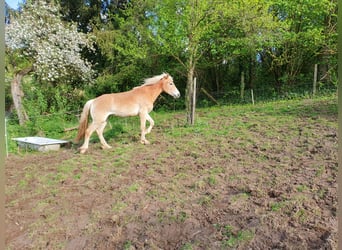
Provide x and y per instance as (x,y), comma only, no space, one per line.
(13,3)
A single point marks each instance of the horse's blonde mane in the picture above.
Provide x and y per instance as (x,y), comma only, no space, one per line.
(153,80)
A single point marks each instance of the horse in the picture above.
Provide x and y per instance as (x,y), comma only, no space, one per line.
(137,101)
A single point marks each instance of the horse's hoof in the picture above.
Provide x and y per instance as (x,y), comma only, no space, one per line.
(145,142)
(106,147)
(82,150)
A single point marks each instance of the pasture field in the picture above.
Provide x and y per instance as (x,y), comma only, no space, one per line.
(243,177)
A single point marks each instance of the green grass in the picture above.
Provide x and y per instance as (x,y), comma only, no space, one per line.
(276,206)
(240,121)
(232,237)
(171,215)
(186,246)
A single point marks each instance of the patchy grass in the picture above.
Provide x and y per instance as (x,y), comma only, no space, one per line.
(243,176)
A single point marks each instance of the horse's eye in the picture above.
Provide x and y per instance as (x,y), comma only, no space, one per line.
(171,83)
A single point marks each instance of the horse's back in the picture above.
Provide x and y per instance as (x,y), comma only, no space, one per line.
(119,104)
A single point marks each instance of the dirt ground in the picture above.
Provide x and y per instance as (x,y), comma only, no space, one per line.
(269,184)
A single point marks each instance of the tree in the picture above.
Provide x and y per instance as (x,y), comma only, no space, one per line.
(183,29)
(120,39)
(38,41)
(307,34)
(246,27)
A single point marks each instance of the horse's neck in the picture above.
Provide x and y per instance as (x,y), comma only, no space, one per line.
(155,91)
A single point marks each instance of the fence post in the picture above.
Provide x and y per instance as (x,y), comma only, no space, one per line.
(6,137)
(252,93)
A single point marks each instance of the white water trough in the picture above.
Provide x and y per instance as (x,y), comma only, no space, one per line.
(41,144)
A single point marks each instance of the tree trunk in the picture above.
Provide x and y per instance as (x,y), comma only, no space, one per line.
(251,71)
(217,78)
(18,94)
(314,81)
(242,86)
(193,107)
(189,94)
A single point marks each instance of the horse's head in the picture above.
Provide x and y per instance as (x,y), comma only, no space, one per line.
(169,87)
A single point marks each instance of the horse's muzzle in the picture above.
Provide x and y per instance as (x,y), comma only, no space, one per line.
(176,95)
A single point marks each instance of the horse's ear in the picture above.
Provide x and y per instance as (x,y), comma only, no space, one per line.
(166,75)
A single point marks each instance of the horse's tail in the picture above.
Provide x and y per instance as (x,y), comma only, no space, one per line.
(83,121)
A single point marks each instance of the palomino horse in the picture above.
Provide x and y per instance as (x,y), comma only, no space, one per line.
(138,101)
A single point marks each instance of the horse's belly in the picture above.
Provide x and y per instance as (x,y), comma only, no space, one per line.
(126,111)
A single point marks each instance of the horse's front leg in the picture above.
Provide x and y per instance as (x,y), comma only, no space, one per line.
(143,118)
(150,120)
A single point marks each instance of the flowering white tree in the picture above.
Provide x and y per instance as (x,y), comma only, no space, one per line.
(50,48)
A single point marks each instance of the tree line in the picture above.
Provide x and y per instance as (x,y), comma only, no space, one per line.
(72,50)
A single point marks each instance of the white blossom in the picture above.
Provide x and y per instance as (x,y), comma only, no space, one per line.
(53,46)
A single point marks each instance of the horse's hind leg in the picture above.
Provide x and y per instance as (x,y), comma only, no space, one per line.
(99,131)
(87,135)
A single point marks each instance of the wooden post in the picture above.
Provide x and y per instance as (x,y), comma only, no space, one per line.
(193,107)
(6,137)
(252,96)
(314,81)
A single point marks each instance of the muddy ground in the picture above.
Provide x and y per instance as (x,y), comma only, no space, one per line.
(257,179)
